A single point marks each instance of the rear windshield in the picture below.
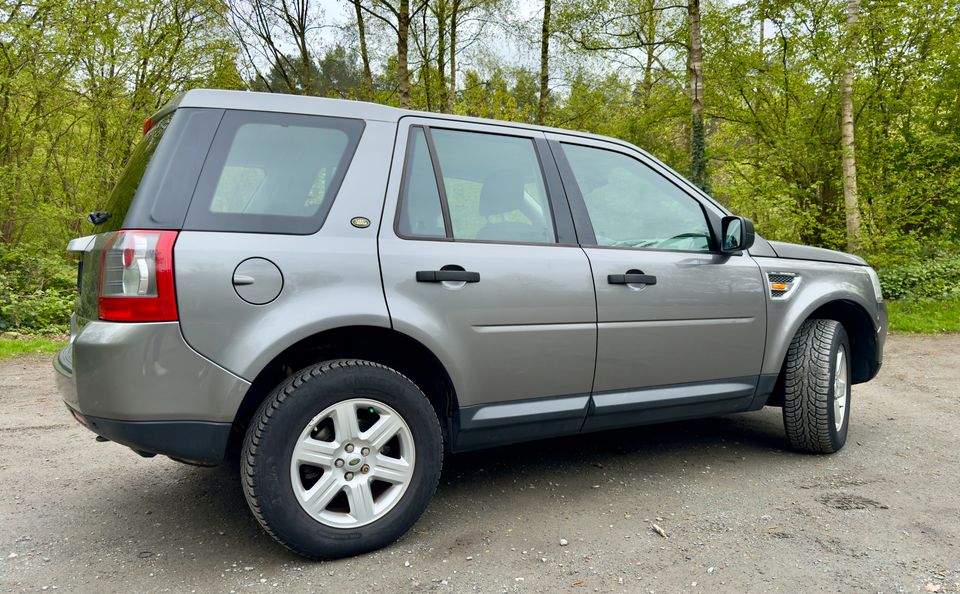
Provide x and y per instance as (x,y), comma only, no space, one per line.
(154,190)
(272,172)
(122,196)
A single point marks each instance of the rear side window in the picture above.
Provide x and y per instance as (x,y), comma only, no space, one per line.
(421,213)
(488,187)
(272,172)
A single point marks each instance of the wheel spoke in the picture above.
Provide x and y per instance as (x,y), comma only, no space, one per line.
(840,389)
(318,498)
(361,500)
(352,462)
(345,421)
(315,453)
(382,431)
(392,470)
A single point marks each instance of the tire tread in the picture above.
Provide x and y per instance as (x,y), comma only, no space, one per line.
(807,386)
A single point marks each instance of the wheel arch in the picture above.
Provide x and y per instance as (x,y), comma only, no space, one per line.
(381,345)
(861,332)
(856,321)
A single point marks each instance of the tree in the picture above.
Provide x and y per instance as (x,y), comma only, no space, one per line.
(850,199)
(545,32)
(367,92)
(398,16)
(263,29)
(698,157)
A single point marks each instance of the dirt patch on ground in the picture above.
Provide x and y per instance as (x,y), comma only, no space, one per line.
(741,512)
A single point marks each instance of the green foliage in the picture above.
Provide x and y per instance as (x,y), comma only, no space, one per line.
(37,292)
(925,316)
(11,347)
(934,278)
(78,78)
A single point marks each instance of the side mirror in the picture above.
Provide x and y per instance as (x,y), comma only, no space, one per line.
(736,234)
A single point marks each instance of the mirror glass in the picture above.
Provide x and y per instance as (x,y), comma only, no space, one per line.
(733,235)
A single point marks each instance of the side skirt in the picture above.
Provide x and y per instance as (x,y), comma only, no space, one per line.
(502,423)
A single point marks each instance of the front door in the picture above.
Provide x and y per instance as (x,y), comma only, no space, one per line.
(482,267)
(681,326)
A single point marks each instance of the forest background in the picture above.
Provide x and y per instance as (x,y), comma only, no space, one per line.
(834,123)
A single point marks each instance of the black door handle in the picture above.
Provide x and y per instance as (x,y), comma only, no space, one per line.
(439,276)
(632,277)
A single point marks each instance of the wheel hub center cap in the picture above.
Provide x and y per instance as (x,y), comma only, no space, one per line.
(353,462)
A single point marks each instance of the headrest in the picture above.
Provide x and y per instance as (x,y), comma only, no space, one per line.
(501,193)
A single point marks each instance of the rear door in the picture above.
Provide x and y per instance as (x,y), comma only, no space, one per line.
(480,263)
(681,327)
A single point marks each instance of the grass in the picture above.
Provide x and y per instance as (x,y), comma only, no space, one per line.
(924,317)
(11,347)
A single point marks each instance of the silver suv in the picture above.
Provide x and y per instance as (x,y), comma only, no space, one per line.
(342,292)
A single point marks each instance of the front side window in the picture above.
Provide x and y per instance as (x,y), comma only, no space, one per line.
(273,172)
(631,205)
(492,184)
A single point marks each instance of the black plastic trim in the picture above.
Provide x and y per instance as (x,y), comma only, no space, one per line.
(626,408)
(766,384)
(631,278)
(578,208)
(201,442)
(440,276)
(556,194)
(500,423)
(438,176)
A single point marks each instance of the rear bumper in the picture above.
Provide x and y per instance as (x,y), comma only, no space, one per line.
(141,385)
(199,442)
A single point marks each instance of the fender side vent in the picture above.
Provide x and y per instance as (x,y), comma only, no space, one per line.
(782,284)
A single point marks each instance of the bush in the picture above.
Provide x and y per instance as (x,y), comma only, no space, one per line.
(37,293)
(934,278)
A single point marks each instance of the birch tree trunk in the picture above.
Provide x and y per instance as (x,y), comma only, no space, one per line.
(440,12)
(544,64)
(851,200)
(364,54)
(698,150)
(454,16)
(403,37)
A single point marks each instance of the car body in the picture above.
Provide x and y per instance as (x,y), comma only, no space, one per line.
(500,267)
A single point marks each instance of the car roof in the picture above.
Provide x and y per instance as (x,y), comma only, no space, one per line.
(302,104)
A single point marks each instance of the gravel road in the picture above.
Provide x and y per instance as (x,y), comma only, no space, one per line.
(740,512)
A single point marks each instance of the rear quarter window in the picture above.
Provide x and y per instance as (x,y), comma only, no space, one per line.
(272,172)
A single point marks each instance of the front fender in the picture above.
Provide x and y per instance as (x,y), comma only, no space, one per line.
(820,284)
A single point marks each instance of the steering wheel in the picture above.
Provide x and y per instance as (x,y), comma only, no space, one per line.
(681,236)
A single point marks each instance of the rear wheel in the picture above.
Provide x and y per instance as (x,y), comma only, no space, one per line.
(816,402)
(341,459)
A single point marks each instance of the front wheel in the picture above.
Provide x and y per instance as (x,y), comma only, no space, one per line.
(341,459)
(816,402)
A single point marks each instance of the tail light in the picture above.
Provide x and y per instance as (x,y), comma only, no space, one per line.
(136,277)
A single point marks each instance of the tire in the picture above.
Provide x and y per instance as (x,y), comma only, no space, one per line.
(303,420)
(817,369)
